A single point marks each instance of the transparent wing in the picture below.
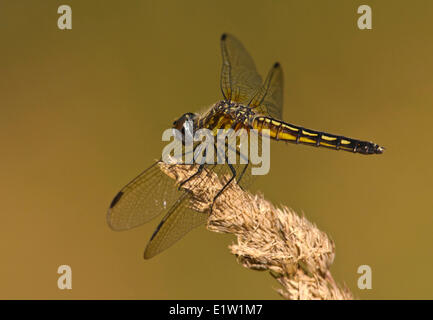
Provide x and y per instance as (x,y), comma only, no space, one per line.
(153,193)
(178,221)
(239,78)
(145,197)
(268,100)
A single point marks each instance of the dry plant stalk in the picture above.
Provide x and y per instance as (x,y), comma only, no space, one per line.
(297,254)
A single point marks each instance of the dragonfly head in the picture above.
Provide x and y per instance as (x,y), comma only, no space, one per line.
(187,123)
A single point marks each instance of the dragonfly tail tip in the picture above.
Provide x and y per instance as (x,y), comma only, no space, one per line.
(380,150)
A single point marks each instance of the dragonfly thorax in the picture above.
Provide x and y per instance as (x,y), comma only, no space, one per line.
(234,109)
(226,114)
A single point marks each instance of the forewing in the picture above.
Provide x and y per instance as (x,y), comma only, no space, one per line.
(145,197)
(239,77)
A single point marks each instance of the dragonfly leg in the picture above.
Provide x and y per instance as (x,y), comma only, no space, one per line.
(233,170)
(242,174)
(199,170)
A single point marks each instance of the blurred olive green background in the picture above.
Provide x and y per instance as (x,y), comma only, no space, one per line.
(82,113)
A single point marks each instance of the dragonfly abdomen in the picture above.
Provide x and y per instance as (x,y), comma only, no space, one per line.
(279,130)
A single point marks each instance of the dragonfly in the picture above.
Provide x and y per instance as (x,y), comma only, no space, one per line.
(247,103)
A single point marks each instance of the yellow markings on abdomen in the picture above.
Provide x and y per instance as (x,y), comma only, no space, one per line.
(324,144)
(287,132)
(278,130)
(306,140)
(286,136)
(325,137)
(311,134)
(290,128)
